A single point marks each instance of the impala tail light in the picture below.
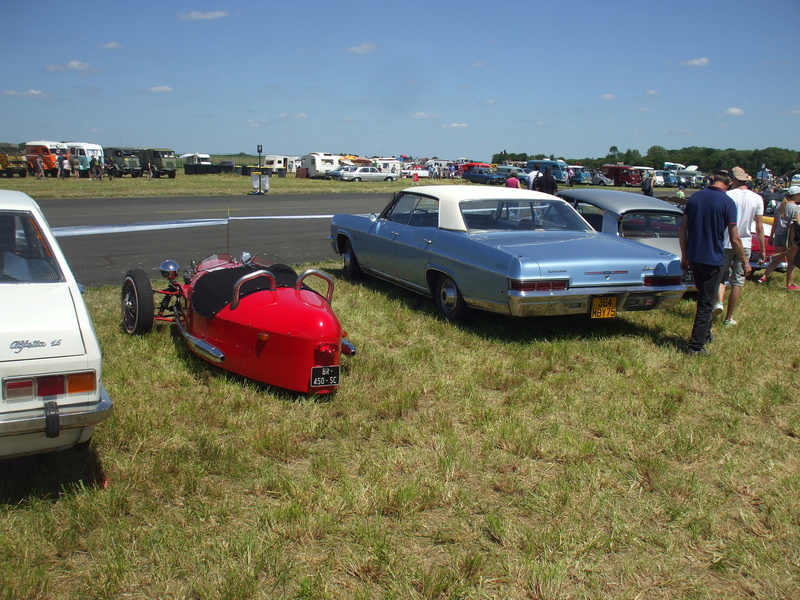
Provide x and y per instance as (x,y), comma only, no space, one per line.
(325,354)
(542,285)
(663,280)
(48,386)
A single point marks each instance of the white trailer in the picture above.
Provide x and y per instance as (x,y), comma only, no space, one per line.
(319,163)
(389,165)
(278,161)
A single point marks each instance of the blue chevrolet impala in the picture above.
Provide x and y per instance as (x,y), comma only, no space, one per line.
(504,250)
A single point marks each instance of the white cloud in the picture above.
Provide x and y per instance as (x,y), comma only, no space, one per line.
(195,14)
(364,48)
(490,102)
(160,89)
(651,93)
(794,111)
(28,94)
(645,109)
(696,62)
(73,65)
(734,112)
(479,64)
(111,46)
(455,126)
(296,116)
(423,115)
(608,97)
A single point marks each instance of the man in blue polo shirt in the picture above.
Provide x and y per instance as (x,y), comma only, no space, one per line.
(708,214)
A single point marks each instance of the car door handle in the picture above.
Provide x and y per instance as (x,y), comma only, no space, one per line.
(426,241)
(395,233)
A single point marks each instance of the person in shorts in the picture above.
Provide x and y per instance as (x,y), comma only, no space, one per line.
(786,212)
(749,211)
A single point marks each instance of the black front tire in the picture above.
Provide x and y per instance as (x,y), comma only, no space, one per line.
(350,266)
(138,306)
(448,299)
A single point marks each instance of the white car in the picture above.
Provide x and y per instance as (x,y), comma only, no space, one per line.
(367,174)
(50,371)
(420,171)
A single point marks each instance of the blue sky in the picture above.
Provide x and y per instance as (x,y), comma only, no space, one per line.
(446,79)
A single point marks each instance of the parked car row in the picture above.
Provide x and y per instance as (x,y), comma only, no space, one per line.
(515,252)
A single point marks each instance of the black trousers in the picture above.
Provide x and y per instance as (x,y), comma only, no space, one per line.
(706,278)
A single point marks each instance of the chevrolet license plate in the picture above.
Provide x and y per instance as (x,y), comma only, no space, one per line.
(324,376)
(604,307)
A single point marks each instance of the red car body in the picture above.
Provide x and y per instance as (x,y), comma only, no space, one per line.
(251,317)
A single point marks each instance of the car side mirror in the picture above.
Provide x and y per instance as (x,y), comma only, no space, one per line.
(373,217)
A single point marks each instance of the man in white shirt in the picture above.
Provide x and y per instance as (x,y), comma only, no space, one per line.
(533,176)
(749,209)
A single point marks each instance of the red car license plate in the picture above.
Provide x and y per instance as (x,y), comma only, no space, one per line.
(324,376)
(604,307)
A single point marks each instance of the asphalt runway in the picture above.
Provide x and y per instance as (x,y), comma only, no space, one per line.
(103,238)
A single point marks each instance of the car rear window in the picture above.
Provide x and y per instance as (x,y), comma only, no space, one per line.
(514,215)
(25,255)
(651,225)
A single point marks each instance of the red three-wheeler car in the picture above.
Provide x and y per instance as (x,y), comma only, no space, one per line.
(250,316)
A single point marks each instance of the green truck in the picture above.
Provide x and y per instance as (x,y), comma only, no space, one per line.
(12,160)
(126,160)
(162,160)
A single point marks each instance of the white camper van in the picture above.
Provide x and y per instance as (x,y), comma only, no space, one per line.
(85,151)
(319,163)
(390,166)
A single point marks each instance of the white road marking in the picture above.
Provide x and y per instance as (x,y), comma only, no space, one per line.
(157,225)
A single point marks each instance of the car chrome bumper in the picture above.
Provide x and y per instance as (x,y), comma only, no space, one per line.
(522,304)
(45,420)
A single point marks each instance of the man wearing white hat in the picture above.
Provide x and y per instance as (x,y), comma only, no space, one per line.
(749,210)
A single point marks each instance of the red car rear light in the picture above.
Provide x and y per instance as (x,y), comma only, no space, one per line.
(663,281)
(545,285)
(28,388)
(325,355)
(50,385)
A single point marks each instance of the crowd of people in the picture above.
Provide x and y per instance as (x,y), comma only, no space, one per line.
(716,245)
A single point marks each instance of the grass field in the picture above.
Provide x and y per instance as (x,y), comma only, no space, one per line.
(192,185)
(209,185)
(510,459)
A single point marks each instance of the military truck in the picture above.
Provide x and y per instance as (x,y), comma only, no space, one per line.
(162,160)
(12,160)
(126,160)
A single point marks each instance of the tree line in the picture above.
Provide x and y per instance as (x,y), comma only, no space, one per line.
(782,161)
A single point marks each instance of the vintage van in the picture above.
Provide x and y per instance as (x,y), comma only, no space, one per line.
(558,168)
(84,152)
(49,152)
(12,161)
(622,175)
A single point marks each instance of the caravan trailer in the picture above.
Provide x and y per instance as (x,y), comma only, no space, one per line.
(319,164)
(279,163)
